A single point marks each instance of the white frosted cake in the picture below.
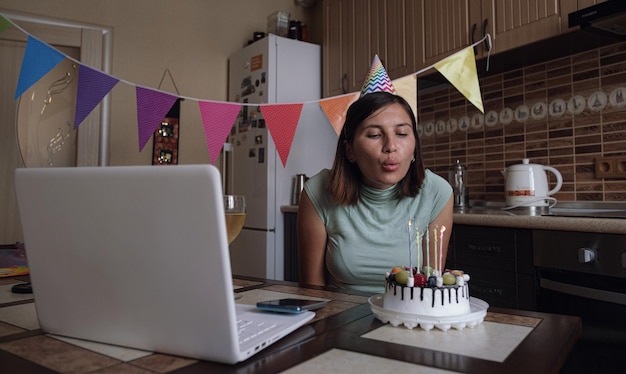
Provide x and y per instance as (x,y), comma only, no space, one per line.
(411,292)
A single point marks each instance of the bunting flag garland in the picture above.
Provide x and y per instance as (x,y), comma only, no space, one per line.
(281,121)
(152,106)
(335,109)
(39,59)
(460,70)
(406,87)
(93,86)
(4,23)
(217,119)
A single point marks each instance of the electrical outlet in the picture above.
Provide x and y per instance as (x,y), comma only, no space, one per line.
(620,167)
(611,167)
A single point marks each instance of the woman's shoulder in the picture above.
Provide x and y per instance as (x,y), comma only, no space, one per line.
(318,183)
(436,181)
(320,180)
(323,174)
(432,177)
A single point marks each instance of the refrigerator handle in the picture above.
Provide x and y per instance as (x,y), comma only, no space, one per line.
(227,167)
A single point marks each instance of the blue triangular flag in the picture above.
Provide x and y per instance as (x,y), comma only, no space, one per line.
(92,87)
(39,59)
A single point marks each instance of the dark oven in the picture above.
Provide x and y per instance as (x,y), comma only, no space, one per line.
(584,274)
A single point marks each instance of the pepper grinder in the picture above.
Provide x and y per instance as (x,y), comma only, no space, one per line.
(457,177)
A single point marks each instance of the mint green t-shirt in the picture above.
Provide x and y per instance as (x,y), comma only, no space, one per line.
(368,239)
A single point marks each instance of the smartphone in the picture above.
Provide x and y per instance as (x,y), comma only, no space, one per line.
(290,305)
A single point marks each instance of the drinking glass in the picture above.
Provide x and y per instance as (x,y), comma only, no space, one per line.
(235,209)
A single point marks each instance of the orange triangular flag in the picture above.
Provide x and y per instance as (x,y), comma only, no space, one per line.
(336,107)
(281,121)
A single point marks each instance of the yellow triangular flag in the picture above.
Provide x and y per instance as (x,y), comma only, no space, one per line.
(406,87)
(4,23)
(460,70)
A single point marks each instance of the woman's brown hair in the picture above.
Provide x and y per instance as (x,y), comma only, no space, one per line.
(345,175)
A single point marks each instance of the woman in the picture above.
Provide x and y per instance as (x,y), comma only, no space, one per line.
(353,219)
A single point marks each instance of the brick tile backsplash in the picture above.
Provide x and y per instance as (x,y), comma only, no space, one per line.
(564,113)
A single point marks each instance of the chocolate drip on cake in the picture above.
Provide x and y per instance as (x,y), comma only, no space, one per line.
(442,290)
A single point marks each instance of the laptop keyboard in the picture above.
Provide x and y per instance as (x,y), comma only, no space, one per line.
(247,330)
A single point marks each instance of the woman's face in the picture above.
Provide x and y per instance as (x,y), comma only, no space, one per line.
(383,147)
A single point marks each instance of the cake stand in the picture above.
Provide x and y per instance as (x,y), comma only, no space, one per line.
(476,315)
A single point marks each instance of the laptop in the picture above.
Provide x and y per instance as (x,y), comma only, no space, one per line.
(137,256)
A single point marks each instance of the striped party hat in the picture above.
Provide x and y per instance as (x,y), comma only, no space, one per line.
(377,79)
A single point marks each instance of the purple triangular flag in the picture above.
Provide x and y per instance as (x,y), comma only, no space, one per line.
(152,106)
(217,119)
(93,85)
(39,59)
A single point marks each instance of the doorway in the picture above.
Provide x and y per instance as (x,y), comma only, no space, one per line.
(88,147)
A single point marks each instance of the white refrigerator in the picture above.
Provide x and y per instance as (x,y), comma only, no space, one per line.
(272,70)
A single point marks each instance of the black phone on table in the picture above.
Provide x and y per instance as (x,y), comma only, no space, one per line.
(290,305)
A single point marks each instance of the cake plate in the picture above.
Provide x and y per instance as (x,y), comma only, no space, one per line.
(476,315)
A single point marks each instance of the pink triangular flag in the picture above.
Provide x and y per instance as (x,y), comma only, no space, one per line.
(282,120)
(93,85)
(152,106)
(217,119)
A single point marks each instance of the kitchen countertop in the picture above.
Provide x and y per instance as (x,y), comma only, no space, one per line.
(493,215)
(498,218)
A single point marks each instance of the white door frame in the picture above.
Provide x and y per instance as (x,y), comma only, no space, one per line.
(94,42)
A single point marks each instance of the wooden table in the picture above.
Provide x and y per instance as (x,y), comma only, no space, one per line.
(343,333)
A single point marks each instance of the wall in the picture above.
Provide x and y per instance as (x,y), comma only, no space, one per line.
(538,125)
(191,38)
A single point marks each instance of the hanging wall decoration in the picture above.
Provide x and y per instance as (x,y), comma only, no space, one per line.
(158,112)
(166,137)
(165,140)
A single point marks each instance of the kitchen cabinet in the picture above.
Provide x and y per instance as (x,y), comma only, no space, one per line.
(355,31)
(450,25)
(444,27)
(499,262)
(412,34)
(516,23)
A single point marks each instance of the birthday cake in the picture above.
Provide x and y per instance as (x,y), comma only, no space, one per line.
(424,290)
(413,292)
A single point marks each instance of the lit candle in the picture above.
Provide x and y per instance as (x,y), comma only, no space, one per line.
(441,264)
(410,251)
(418,246)
(427,252)
(436,247)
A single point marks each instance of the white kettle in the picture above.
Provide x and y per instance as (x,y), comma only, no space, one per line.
(526,184)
